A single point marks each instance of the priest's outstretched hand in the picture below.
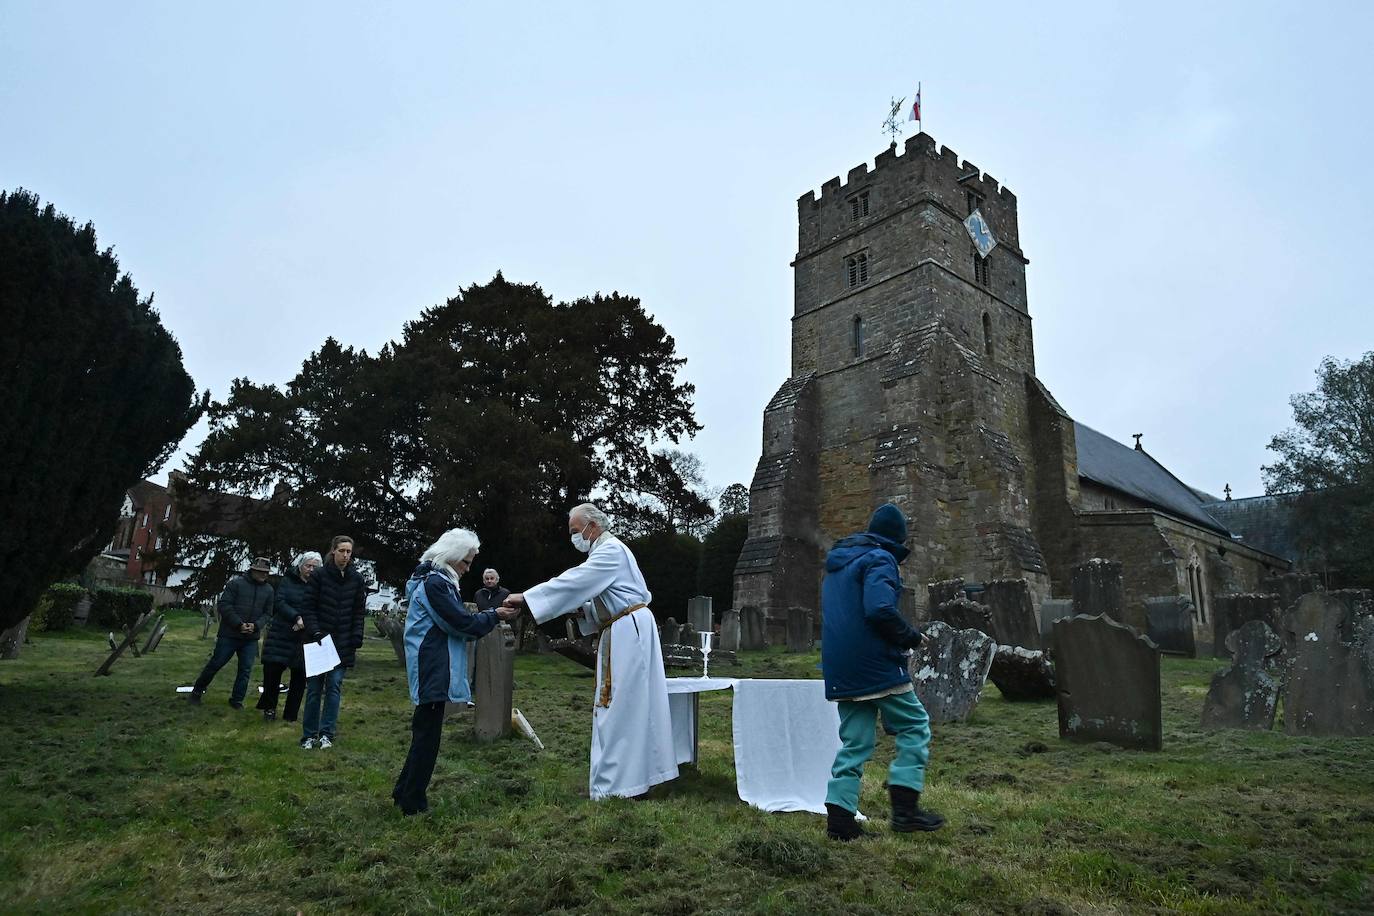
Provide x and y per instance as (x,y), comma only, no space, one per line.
(515,600)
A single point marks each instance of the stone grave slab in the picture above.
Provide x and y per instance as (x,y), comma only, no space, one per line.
(1246,694)
(937,593)
(1108,683)
(1169,624)
(729,631)
(494,683)
(1012,610)
(1098,588)
(699,614)
(963,614)
(949,670)
(1022,674)
(1231,612)
(800,632)
(753,629)
(1330,681)
(1289,588)
(670,633)
(1051,610)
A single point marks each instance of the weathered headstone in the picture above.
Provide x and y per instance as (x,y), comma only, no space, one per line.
(130,636)
(155,633)
(670,633)
(699,613)
(1169,624)
(495,683)
(1022,674)
(1231,612)
(963,614)
(729,631)
(753,629)
(1330,682)
(937,593)
(1051,610)
(1289,588)
(394,630)
(82,612)
(1098,588)
(1246,694)
(949,670)
(687,635)
(1013,613)
(1107,682)
(800,633)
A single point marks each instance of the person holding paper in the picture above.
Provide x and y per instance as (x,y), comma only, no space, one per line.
(632,734)
(334,606)
(243,611)
(438,637)
(864,663)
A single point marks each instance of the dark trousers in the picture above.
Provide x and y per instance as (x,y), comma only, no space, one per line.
(271,688)
(226,648)
(426,727)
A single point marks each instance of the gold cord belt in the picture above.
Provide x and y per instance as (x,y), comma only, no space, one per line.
(605,632)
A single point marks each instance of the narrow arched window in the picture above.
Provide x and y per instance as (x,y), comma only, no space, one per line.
(856,337)
(987,334)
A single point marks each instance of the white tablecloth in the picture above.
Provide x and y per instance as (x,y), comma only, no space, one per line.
(786,736)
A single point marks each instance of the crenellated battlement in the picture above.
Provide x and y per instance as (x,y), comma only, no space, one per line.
(920,149)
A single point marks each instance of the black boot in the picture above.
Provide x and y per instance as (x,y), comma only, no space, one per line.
(907,816)
(840,824)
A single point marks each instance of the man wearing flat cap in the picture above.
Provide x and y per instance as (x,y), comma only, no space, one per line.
(244,609)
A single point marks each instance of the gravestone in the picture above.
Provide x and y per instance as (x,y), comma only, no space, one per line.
(949,670)
(1022,674)
(155,633)
(1013,613)
(753,629)
(1169,624)
(699,613)
(687,635)
(963,614)
(1330,681)
(394,630)
(1107,683)
(82,612)
(1231,612)
(937,593)
(495,683)
(682,656)
(1098,588)
(729,631)
(1289,588)
(209,619)
(1051,610)
(130,636)
(800,633)
(670,634)
(1246,694)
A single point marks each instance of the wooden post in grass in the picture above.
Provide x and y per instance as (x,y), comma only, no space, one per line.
(127,642)
(495,687)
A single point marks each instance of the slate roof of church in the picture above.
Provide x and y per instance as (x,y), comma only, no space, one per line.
(1263,522)
(1103,460)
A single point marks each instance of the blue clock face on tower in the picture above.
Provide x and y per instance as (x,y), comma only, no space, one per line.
(980,233)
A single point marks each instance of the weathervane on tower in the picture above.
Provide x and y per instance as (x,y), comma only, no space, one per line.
(892,125)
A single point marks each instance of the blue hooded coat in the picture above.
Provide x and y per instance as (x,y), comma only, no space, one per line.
(863,632)
(439,632)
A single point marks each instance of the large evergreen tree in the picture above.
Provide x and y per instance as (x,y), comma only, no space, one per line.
(497,410)
(95,397)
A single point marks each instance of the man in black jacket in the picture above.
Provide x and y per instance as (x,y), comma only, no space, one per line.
(334,606)
(243,611)
(489,598)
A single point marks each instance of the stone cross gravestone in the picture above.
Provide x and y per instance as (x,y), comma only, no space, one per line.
(495,683)
(1169,624)
(1231,612)
(1098,588)
(1013,613)
(963,614)
(699,614)
(1330,682)
(1108,683)
(729,630)
(1022,674)
(800,635)
(1052,610)
(753,629)
(949,670)
(1246,694)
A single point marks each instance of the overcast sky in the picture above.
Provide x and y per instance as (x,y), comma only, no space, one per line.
(1194,192)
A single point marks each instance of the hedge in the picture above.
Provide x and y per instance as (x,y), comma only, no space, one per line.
(57,608)
(119,608)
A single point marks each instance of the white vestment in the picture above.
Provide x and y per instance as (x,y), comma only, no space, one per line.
(632,736)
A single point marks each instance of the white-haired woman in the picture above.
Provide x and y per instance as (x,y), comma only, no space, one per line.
(439,634)
(282,647)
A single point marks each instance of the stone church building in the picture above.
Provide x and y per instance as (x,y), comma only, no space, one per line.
(913,381)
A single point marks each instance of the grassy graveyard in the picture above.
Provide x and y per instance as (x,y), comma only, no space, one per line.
(120,796)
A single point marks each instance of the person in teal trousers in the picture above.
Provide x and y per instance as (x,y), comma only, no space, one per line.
(864,639)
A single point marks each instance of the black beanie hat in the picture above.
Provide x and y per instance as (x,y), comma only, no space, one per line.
(888,522)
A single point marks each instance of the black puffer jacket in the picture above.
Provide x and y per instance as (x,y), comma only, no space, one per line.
(335,603)
(245,600)
(283,644)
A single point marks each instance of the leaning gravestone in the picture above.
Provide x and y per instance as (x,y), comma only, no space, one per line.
(753,629)
(1098,588)
(1108,683)
(963,614)
(699,613)
(1052,610)
(1169,624)
(1022,674)
(800,635)
(1231,612)
(1330,682)
(949,670)
(1246,694)
(937,593)
(1013,613)
(729,630)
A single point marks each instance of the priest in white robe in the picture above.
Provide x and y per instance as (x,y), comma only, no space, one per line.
(632,734)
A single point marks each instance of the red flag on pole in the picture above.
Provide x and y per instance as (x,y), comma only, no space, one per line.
(915,114)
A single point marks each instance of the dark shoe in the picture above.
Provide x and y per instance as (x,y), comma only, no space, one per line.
(235,704)
(194,698)
(269,715)
(841,825)
(907,816)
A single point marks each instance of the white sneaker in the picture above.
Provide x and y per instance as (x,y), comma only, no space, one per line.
(325,742)
(307,744)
